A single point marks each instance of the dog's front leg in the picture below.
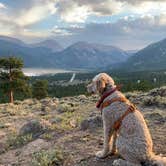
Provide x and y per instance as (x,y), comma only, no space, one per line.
(113,143)
(108,131)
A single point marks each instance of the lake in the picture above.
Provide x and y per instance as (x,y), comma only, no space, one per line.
(42,71)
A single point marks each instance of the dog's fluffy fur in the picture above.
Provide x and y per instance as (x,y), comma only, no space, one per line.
(133,141)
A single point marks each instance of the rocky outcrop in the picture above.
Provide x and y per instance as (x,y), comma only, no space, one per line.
(33,127)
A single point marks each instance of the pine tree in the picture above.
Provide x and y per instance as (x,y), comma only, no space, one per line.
(40,89)
(12,79)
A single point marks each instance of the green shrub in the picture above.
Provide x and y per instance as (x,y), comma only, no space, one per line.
(48,158)
(15,141)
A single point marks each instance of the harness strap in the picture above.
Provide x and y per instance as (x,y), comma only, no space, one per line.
(108,102)
(131,109)
(118,123)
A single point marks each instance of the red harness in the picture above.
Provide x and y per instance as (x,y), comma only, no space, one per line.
(101,104)
(105,95)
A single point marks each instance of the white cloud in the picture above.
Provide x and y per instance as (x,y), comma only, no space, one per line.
(25,14)
(126,34)
(99,7)
(34,14)
(14,20)
(60,31)
(70,11)
(144,17)
(2,6)
(162,19)
(80,10)
(149,7)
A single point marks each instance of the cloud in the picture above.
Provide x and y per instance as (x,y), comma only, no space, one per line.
(60,31)
(2,6)
(140,1)
(99,7)
(25,13)
(126,33)
(79,10)
(70,11)
(144,17)
(34,14)
(17,16)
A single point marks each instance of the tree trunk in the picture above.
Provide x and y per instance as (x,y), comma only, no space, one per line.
(11,91)
(11,97)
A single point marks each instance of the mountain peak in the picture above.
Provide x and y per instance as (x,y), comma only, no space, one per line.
(49,43)
(11,39)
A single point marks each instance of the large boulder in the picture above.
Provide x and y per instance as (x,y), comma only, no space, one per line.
(33,127)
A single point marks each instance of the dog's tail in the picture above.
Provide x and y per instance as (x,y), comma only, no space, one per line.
(155,160)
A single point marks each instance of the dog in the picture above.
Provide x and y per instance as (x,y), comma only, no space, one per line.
(125,130)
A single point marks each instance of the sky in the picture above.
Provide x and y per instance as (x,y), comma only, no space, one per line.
(128,24)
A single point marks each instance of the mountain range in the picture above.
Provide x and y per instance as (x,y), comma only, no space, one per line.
(84,55)
(51,54)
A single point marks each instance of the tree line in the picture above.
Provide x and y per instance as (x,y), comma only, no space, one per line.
(15,85)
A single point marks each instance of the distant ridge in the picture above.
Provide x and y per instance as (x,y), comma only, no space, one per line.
(90,55)
(49,43)
(152,57)
(50,54)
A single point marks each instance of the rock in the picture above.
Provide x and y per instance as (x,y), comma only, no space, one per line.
(73,123)
(83,97)
(49,104)
(34,146)
(91,123)
(33,127)
(7,125)
(2,147)
(158,92)
(2,134)
(56,120)
(45,109)
(156,117)
(65,108)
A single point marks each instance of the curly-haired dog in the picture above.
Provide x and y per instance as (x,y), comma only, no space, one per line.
(124,126)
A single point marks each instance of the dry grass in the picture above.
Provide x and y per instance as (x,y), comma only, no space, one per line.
(61,119)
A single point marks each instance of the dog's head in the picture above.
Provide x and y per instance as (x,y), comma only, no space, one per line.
(99,83)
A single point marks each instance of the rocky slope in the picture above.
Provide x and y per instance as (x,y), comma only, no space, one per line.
(68,131)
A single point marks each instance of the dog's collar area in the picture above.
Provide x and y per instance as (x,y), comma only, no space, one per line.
(105,95)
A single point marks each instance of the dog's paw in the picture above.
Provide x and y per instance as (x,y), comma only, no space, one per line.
(101,154)
(117,162)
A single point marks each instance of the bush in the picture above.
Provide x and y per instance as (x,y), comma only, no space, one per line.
(48,158)
(15,141)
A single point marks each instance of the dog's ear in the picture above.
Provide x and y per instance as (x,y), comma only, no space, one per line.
(101,85)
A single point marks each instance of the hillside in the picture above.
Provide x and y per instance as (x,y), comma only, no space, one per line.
(68,131)
(153,57)
(50,54)
(89,55)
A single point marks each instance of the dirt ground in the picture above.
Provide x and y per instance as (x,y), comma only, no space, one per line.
(61,120)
